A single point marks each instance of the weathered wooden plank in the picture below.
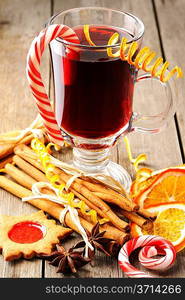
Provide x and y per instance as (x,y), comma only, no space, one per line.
(19,23)
(171,20)
(170,16)
(172,25)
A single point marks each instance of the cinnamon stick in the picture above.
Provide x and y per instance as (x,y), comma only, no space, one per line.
(109,195)
(115,199)
(8,148)
(55,210)
(99,212)
(140,221)
(29,169)
(27,139)
(6,160)
(89,198)
(102,192)
(29,155)
(93,201)
(150,215)
(19,176)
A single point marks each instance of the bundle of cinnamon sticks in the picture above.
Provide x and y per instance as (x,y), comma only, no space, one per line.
(117,208)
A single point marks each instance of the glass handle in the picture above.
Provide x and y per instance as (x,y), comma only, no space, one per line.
(155,123)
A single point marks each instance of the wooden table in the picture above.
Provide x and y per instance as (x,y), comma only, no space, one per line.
(20,20)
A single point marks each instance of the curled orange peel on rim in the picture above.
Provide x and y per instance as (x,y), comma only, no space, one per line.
(140,59)
(87,35)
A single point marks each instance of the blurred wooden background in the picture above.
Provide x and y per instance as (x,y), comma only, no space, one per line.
(20,21)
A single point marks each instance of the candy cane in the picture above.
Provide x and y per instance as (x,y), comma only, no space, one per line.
(151,245)
(34,56)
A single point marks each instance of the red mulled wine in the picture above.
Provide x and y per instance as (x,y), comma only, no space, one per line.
(93,92)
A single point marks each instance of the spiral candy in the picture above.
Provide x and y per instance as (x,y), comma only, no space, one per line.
(151,246)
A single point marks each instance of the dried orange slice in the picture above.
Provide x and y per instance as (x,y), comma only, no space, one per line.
(170,224)
(166,187)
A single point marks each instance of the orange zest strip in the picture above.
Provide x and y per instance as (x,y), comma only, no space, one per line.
(143,58)
(135,161)
(87,35)
(144,173)
(56,147)
(112,41)
(140,59)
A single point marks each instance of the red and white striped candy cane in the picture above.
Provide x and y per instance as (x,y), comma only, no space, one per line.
(35,53)
(151,246)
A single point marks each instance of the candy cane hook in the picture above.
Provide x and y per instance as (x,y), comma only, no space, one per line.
(37,87)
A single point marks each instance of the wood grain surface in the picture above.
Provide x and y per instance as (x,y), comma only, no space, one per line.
(19,23)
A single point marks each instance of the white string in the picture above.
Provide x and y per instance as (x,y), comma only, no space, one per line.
(36,190)
(74,216)
(37,133)
(62,216)
(71,180)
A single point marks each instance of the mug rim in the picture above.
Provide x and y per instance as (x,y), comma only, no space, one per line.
(136,38)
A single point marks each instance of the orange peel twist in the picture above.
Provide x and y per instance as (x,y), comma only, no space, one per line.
(135,161)
(140,59)
(87,35)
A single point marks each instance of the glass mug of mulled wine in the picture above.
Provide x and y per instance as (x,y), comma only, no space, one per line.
(93,101)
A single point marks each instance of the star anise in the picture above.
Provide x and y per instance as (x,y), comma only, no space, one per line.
(67,260)
(98,241)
